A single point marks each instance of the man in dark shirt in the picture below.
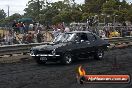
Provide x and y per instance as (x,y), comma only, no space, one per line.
(39,37)
(14,25)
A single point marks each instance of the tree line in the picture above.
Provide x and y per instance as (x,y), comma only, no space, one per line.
(68,11)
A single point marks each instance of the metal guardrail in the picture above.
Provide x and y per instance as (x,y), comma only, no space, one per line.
(116,40)
(24,48)
(15,49)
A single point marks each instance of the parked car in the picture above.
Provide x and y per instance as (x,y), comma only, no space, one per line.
(69,47)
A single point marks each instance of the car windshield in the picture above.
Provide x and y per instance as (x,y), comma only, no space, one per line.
(64,37)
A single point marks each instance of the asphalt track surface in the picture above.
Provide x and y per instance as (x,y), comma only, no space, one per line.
(55,75)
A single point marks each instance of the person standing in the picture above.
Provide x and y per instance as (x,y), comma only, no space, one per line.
(39,37)
(21,28)
(26,27)
(55,32)
(18,27)
(29,38)
(14,25)
(8,39)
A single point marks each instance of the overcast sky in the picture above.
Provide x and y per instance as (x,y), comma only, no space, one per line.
(17,6)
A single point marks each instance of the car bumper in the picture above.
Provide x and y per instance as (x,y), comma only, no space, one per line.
(44,55)
(47,57)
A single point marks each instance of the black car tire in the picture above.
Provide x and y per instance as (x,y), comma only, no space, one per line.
(37,59)
(67,59)
(99,54)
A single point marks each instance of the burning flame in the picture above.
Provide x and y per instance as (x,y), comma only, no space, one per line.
(81,71)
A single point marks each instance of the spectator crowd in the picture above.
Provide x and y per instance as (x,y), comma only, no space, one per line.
(23,33)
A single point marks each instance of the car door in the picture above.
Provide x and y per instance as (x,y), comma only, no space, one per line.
(83,45)
(92,39)
(74,47)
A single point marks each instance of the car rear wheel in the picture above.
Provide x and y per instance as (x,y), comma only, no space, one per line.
(37,59)
(99,55)
(67,59)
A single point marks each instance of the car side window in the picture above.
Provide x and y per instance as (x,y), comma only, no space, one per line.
(91,37)
(83,36)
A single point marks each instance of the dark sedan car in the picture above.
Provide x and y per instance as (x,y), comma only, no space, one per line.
(69,47)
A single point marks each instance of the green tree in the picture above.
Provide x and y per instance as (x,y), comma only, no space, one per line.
(93,6)
(85,16)
(51,11)
(109,7)
(8,20)
(129,14)
(33,9)
(63,16)
(68,11)
(2,14)
(14,16)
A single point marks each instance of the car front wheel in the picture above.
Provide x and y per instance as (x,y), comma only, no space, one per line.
(67,59)
(99,54)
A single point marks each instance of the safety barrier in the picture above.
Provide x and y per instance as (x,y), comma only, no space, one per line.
(16,49)
(119,40)
(25,48)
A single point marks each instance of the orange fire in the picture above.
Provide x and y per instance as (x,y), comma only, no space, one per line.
(81,71)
